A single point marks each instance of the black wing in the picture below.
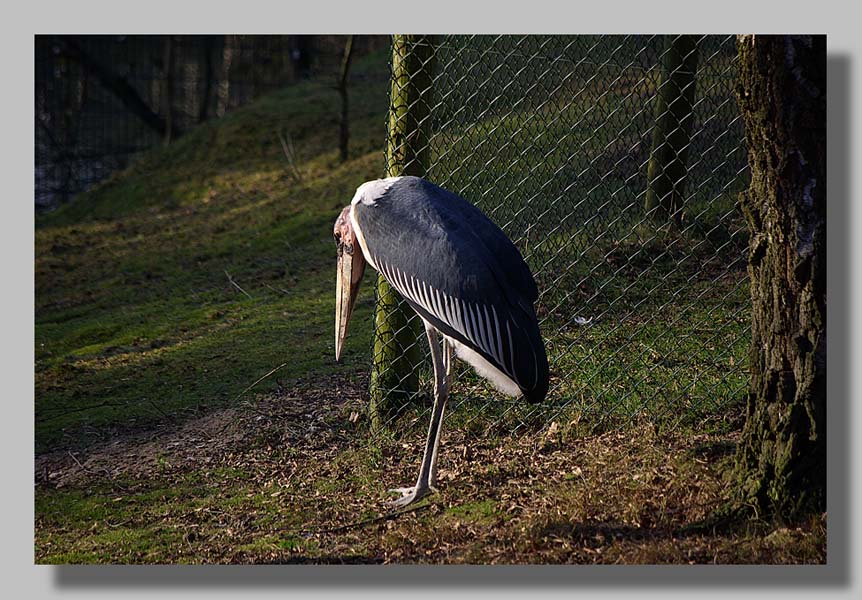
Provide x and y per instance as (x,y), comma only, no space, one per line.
(460,272)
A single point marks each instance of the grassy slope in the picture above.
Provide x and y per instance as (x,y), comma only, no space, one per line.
(136,317)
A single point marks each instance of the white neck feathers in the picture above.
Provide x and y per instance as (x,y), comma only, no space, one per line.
(370,191)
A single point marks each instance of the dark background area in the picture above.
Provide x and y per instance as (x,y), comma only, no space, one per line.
(103,99)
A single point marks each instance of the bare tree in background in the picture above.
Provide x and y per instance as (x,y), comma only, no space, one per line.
(207,49)
(228,50)
(169,63)
(674,110)
(301,55)
(114,83)
(344,129)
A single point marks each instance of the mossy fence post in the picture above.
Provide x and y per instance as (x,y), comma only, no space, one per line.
(396,353)
(666,173)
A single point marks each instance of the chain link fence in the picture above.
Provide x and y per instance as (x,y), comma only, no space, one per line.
(614,164)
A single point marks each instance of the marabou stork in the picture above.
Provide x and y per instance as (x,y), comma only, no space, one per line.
(461,274)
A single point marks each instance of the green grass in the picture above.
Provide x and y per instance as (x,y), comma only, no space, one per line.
(480,512)
(136,316)
(166,519)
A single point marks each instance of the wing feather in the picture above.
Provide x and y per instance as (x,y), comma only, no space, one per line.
(499,339)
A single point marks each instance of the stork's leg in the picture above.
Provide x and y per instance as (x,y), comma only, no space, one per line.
(423,485)
(447,362)
(448,352)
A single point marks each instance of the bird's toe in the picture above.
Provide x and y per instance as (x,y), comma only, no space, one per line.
(409,495)
(402,502)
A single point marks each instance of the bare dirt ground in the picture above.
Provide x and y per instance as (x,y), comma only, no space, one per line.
(295,477)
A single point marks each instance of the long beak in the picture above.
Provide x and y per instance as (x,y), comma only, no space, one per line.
(351,267)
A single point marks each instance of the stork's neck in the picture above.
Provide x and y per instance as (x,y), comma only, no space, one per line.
(357,232)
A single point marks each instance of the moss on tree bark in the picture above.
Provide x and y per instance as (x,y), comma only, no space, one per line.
(781,461)
(667,169)
(396,354)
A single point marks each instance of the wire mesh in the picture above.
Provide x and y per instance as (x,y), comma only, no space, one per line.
(644,314)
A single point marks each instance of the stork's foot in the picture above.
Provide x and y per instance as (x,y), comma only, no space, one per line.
(409,495)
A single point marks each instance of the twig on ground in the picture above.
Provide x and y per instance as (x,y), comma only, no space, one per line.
(240,395)
(290,154)
(275,289)
(102,472)
(64,413)
(236,285)
(372,520)
(160,411)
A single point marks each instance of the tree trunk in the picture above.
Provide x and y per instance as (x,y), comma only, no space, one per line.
(169,88)
(207,50)
(394,379)
(344,128)
(114,83)
(223,104)
(666,173)
(781,462)
(301,54)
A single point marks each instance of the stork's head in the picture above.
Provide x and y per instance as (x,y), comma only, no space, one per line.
(351,267)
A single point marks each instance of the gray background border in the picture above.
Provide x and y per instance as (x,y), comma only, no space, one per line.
(840,578)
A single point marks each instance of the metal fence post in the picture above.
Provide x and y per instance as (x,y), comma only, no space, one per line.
(666,172)
(396,354)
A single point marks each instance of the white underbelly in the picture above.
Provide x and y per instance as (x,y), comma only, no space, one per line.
(500,380)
